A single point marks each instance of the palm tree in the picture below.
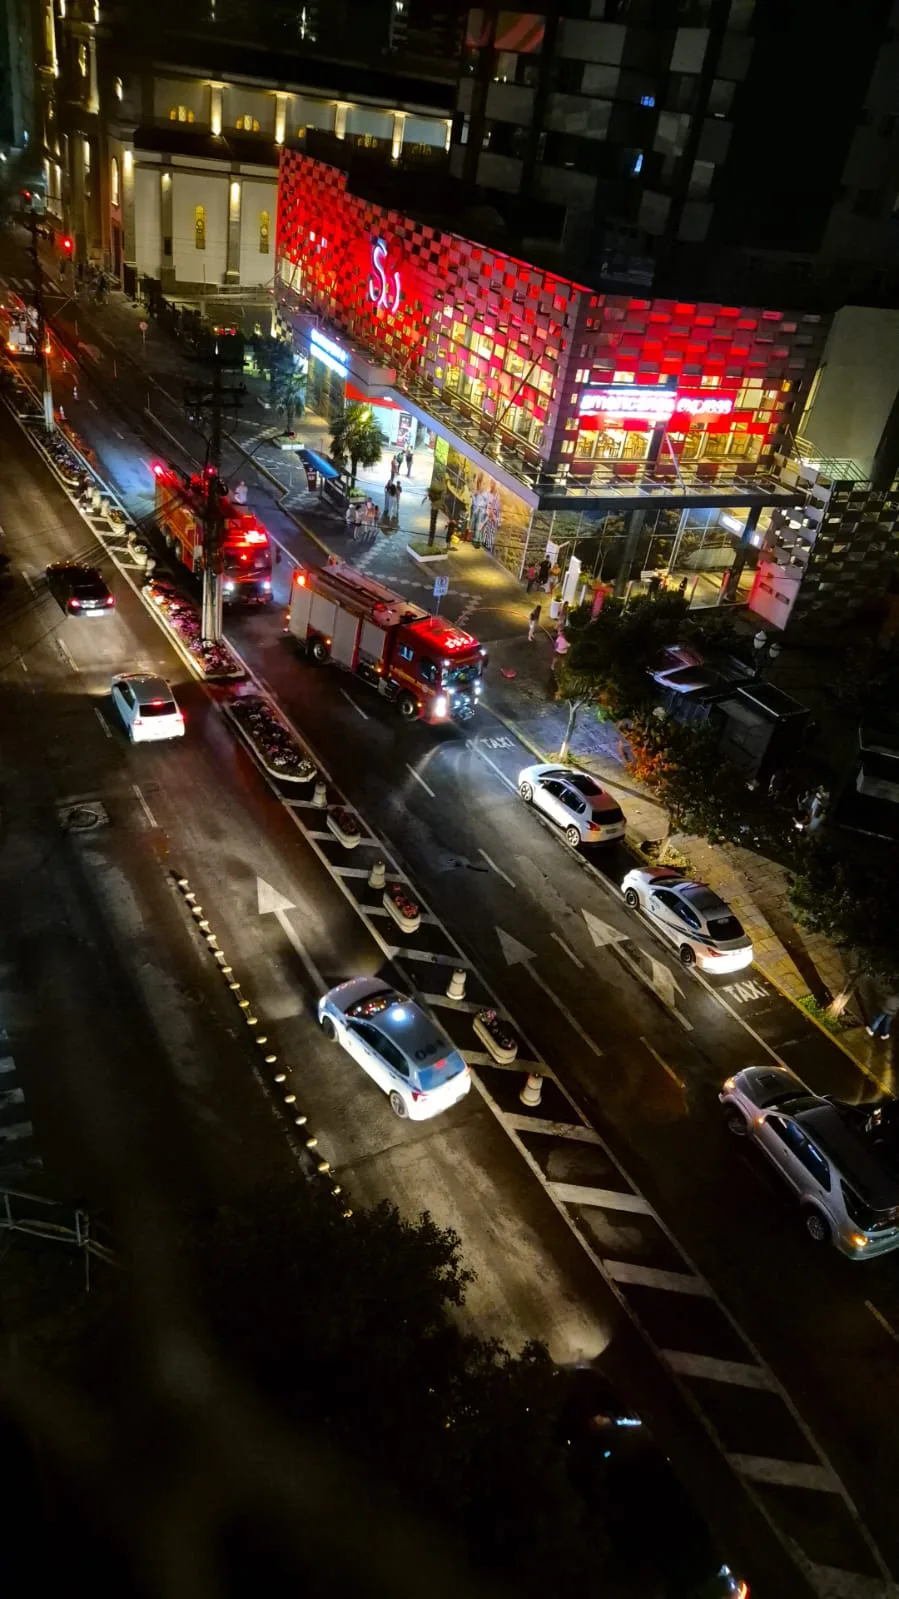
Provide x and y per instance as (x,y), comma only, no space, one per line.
(288,386)
(355,437)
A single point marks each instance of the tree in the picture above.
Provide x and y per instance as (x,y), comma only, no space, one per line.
(607,656)
(355,438)
(288,387)
(838,888)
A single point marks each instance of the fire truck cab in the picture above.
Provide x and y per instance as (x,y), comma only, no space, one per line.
(430,669)
(246,550)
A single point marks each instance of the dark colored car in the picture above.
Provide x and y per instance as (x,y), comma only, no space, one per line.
(80,590)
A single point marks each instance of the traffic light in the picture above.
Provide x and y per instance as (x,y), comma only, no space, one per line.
(67,246)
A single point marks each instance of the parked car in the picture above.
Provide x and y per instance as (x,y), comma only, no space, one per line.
(704,929)
(79,589)
(574,801)
(842,1161)
(147,707)
(397,1044)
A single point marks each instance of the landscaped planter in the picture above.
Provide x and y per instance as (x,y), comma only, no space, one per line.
(404,910)
(213,661)
(496,1036)
(273,744)
(345,827)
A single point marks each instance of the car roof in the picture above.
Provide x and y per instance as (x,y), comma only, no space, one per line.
(849,1151)
(146,689)
(413,1031)
(79,567)
(703,899)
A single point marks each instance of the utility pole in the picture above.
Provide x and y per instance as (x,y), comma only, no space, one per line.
(214,399)
(46,383)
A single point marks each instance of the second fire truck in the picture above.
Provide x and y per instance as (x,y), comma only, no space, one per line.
(428,668)
(246,549)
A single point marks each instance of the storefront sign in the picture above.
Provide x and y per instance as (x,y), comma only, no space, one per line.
(329,353)
(652,404)
(383,285)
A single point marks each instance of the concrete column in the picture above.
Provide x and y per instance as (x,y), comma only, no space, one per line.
(745,545)
(167,257)
(280,117)
(635,523)
(399,124)
(340,110)
(232,266)
(129,240)
(215,107)
(93,95)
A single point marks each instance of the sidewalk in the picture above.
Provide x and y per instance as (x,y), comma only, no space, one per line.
(484,596)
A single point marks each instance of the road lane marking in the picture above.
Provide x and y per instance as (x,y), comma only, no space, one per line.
(647,981)
(664,1064)
(785,1473)
(93,402)
(467,1006)
(518,954)
(144,806)
(356,871)
(411,770)
(475,746)
(568,950)
(119,435)
(66,656)
(350,701)
(573,1131)
(103,722)
(634,1275)
(30,581)
(881,1318)
(601,1198)
(738,1372)
(23,663)
(498,869)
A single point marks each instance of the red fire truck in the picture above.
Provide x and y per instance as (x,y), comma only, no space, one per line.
(180,508)
(427,667)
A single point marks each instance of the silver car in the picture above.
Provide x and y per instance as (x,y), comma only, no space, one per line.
(397,1044)
(842,1161)
(704,929)
(575,802)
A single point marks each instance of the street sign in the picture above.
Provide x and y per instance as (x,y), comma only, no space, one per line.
(441,587)
(143,326)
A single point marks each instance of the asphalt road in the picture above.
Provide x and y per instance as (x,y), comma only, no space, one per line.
(643,1053)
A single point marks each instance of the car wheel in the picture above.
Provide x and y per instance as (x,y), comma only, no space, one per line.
(687,955)
(526,792)
(572,837)
(398,1105)
(318,649)
(631,898)
(329,1030)
(736,1123)
(407,708)
(817,1227)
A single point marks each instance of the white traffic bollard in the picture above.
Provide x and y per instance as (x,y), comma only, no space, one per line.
(455,988)
(533,1090)
(320,796)
(377,877)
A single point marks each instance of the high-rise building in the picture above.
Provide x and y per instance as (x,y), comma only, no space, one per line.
(723,147)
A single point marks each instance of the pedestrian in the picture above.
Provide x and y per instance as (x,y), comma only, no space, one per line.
(240,493)
(409,459)
(531,575)
(881,1023)
(533,623)
(349,518)
(560,646)
(389,500)
(398,459)
(357,519)
(682,587)
(450,533)
(397,494)
(543,573)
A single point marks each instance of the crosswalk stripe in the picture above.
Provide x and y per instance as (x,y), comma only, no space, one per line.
(9,1135)
(7,1064)
(832,1583)
(361,871)
(573,1131)
(738,1372)
(12,1096)
(786,1473)
(604,1198)
(677,1282)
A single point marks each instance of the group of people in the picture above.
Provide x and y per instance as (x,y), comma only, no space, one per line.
(396,462)
(362,517)
(539,577)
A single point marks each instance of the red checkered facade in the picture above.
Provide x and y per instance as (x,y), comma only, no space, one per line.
(517,346)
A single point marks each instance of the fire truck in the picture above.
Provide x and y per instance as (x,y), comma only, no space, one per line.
(247,554)
(428,668)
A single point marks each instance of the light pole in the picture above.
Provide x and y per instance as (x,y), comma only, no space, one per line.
(46,381)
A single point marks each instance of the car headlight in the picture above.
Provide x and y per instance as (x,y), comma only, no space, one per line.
(478,686)
(440,705)
(228,587)
(729,1086)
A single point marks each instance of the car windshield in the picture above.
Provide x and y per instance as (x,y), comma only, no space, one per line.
(458,676)
(255,559)
(583,783)
(442,1071)
(724,927)
(864,1215)
(90,591)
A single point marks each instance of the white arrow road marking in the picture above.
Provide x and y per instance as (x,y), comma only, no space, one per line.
(601,932)
(271,903)
(518,954)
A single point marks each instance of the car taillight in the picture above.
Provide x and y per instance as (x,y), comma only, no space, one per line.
(138,721)
(74,605)
(109,600)
(418,1095)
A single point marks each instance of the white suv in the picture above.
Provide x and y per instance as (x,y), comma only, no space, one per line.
(147,708)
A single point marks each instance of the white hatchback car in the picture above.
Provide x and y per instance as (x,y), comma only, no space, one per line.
(147,708)
(398,1044)
(703,927)
(575,801)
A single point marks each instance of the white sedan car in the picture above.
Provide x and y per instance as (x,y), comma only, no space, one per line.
(397,1044)
(575,801)
(704,929)
(147,708)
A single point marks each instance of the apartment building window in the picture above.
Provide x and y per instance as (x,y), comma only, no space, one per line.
(200,227)
(180,113)
(264,232)
(247,124)
(114,181)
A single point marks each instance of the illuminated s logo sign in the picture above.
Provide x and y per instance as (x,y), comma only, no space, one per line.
(383,285)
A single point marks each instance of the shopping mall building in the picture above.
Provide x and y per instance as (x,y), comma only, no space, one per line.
(646,436)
